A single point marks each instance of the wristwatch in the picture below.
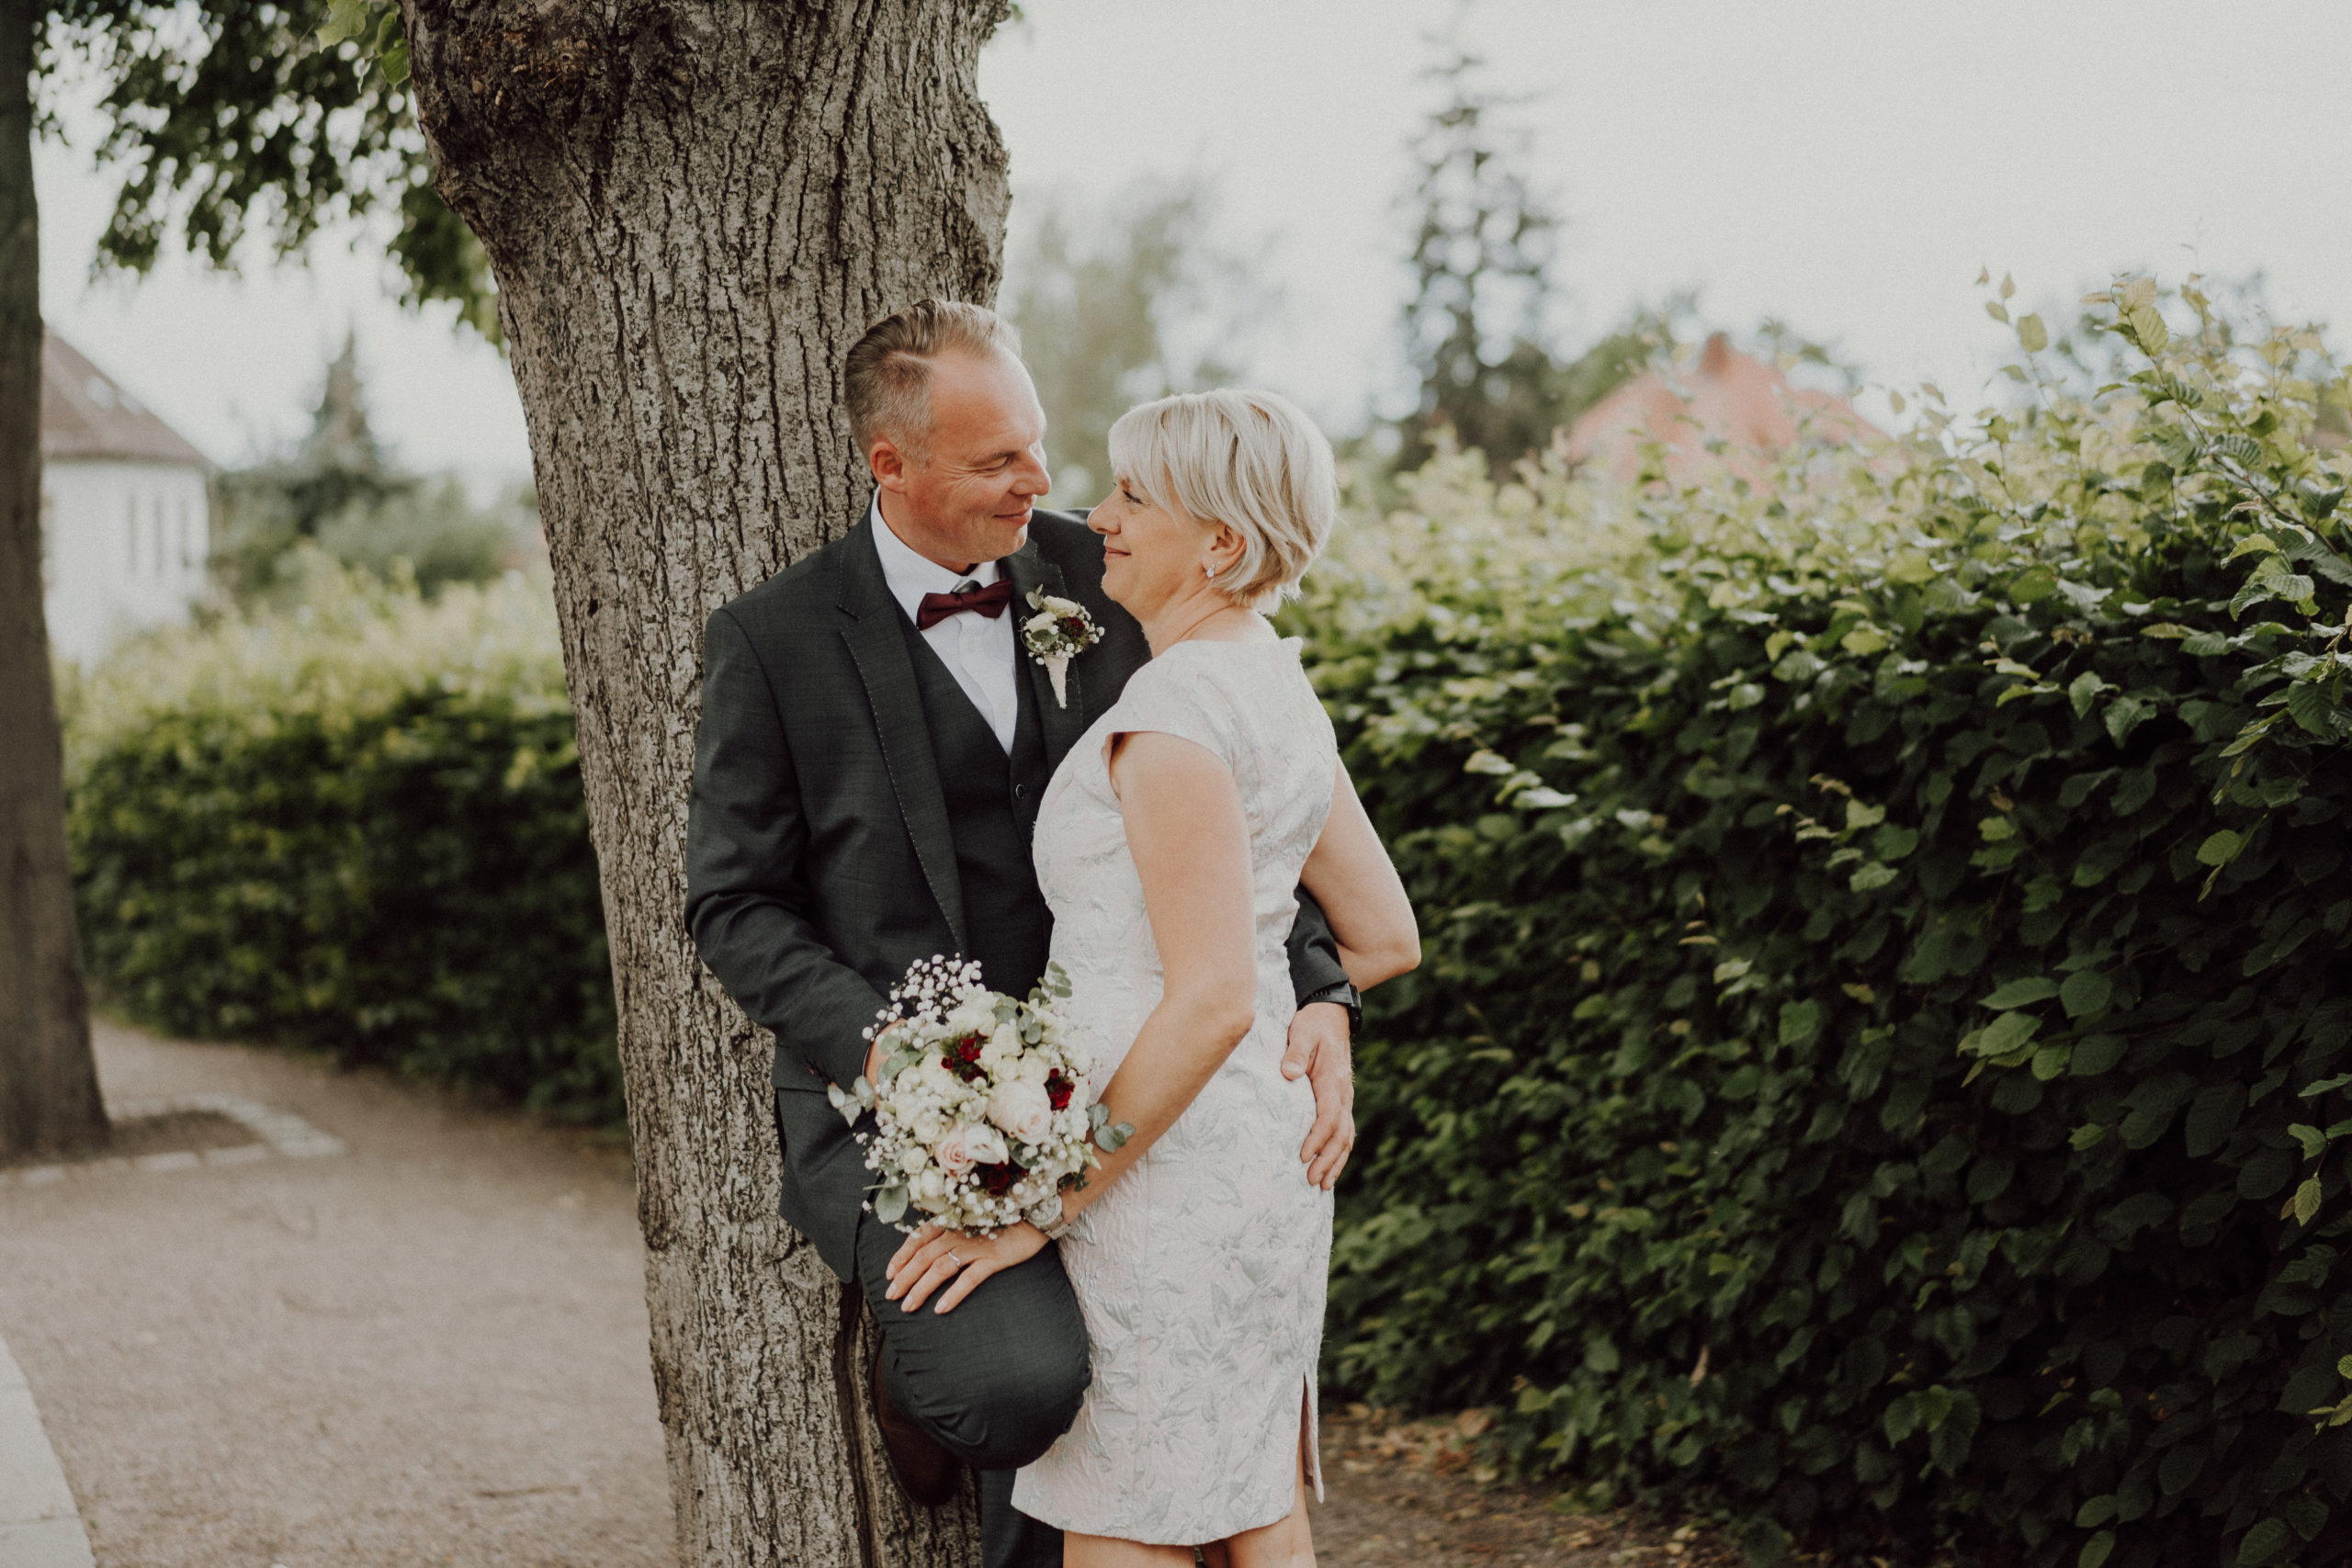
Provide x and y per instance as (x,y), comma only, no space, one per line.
(1348,997)
(1060,1227)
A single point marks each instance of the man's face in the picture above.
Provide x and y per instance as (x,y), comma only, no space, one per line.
(967,497)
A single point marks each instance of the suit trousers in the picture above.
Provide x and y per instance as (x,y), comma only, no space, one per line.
(994,1381)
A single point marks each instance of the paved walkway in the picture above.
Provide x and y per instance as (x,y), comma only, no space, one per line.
(428,1348)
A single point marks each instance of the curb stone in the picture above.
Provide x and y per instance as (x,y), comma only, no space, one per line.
(40,1525)
(282,1134)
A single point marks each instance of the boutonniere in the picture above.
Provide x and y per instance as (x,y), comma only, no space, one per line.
(1060,630)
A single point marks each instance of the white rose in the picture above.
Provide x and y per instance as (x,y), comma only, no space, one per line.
(913,1160)
(1021,1108)
(1034,1069)
(930,1185)
(1002,1049)
(984,1143)
(956,1153)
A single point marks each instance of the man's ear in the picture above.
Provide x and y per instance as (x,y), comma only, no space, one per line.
(889,465)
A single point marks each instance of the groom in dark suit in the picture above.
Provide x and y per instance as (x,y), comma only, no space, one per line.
(873,748)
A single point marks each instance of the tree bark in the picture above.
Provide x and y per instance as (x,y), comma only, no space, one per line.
(48,1083)
(692,208)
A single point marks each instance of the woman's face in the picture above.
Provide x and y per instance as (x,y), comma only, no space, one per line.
(1153,557)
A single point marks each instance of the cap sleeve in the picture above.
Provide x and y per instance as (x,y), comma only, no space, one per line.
(1169,698)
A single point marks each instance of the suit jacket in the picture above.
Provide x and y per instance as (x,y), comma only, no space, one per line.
(820,859)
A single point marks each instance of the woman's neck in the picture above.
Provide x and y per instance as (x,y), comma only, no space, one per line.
(1203,616)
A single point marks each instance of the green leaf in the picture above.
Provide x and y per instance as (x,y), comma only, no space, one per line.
(2265,1543)
(345,19)
(1863,642)
(2032,336)
(2095,1511)
(2085,993)
(2034,584)
(2306,1200)
(2083,690)
(2150,329)
(1893,841)
(2004,1034)
(890,1204)
(2313,706)
(2086,1136)
(2220,850)
(2314,1141)
(1870,876)
(2018,993)
(2123,715)
(1800,1021)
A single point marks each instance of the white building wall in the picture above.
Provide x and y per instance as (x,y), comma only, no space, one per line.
(126,547)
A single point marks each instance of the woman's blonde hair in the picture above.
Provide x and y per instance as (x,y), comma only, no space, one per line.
(1250,460)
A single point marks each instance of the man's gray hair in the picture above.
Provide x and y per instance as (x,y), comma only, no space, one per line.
(885,382)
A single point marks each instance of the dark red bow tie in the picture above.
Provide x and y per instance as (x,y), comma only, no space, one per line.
(990,602)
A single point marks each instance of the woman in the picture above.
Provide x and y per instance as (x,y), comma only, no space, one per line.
(1170,845)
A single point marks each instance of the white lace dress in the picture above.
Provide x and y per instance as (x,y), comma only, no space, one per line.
(1201,1272)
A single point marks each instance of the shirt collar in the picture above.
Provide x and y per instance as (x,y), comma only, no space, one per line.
(909,574)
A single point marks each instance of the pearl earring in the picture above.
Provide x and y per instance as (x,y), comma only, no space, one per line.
(1208,571)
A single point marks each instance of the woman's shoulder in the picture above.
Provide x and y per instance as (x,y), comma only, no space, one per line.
(1229,690)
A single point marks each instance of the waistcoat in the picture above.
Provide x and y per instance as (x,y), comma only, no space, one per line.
(991,810)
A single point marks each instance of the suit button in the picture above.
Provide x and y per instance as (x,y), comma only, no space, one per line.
(1019,791)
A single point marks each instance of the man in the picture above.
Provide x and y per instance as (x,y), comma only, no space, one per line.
(872,750)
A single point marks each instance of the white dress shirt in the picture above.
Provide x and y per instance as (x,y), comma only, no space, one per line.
(978,650)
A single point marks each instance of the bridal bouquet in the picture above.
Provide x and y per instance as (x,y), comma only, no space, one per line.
(980,1101)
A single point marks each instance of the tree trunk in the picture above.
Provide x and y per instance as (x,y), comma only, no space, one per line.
(49,1084)
(692,208)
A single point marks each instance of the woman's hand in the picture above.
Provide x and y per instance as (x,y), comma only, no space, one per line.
(958,1260)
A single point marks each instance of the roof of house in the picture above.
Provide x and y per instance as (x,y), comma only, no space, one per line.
(1724,395)
(86,413)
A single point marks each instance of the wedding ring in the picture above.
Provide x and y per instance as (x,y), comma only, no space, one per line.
(958,1262)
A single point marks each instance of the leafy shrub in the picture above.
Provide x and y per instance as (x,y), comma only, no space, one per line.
(1882,1055)
(355,827)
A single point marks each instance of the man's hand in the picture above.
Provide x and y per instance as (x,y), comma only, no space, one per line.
(1319,1052)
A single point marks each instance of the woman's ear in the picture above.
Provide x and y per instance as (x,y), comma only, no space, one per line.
(1225,548)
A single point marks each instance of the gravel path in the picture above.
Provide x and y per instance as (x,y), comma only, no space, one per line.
(429,1349)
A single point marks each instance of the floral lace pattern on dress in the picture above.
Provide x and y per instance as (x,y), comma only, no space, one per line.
(1201,1272)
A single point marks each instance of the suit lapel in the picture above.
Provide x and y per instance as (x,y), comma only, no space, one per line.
(1030,571)
(879,647)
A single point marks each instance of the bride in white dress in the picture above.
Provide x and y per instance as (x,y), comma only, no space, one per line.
(1170,845)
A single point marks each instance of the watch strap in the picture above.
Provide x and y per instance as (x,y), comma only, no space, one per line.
(1346,995)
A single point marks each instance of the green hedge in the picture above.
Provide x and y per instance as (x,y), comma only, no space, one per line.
(357,827)
(1879,1059)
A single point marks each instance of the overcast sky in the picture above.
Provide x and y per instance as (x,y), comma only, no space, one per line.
(1846,166)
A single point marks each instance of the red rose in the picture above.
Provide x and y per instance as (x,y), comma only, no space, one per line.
(962,1057)
(995,1178)
(1058,1090)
